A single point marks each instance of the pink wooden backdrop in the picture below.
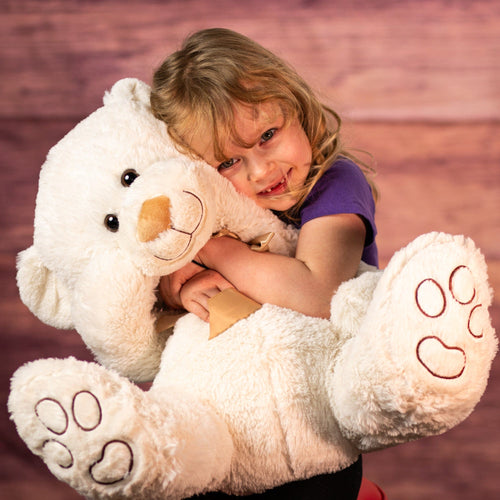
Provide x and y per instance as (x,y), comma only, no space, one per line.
(418,84)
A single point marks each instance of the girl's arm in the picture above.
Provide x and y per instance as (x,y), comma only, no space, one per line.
(328,253)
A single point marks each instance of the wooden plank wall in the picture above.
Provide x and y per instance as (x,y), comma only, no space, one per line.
(418,85)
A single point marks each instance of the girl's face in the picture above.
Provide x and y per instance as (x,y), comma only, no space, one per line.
(277,161)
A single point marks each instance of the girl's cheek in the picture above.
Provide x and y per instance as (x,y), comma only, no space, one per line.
(238,181)
(228,173)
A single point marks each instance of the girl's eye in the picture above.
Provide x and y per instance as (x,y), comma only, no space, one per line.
(226,164)
(267,135)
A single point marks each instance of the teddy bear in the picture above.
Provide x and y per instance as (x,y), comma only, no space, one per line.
(101,246)
(277,395)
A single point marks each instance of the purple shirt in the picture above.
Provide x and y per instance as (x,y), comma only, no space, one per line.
(343,189)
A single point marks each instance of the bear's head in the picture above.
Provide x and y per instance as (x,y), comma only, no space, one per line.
(117,207)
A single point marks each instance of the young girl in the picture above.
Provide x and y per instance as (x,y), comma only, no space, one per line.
(243,110)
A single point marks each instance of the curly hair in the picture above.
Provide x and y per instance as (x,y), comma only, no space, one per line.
(195,89)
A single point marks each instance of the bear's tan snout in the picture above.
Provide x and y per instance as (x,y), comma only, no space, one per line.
(154,218)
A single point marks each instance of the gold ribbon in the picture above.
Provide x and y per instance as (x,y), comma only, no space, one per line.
(258,244)
(228,307)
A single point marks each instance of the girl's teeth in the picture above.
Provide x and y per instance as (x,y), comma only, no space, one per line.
(274,187)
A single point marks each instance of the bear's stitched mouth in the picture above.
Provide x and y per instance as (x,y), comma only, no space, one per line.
(189,234)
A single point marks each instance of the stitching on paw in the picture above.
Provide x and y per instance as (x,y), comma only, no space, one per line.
(461,285)
(114,465)
(86,410)
(430,353)
(116,460)
(52,415)
(438,358)
(476,316)
(430,298)
(58,453)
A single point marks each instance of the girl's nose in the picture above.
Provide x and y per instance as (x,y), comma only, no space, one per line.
(258,168)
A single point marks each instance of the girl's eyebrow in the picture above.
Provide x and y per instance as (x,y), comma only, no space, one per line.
(239,142)
(265,121)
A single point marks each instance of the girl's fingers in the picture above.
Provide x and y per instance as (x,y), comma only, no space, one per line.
(196,292)
(198,309)
(171,284)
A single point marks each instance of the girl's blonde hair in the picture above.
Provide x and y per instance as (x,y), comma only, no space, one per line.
(195,89)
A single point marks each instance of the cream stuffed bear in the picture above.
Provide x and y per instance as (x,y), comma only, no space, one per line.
(128,210)
(279,395)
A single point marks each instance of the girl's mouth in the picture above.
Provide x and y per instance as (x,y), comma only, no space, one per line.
(275,189)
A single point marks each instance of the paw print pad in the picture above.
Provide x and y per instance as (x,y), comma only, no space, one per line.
(86,411)
(445,359)
(461,285)
(115,463)
(52,415)
(114,459)
(440,359)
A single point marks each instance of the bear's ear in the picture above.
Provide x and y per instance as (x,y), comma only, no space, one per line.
(41,291)
(127,90)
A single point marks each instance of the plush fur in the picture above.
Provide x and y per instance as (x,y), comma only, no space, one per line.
(279,396)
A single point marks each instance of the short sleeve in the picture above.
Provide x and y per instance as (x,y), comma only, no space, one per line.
(343,189)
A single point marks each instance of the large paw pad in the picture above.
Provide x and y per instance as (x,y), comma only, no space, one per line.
(113,460)
(448,359)
(115,463)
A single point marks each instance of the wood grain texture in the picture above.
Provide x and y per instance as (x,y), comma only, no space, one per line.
(430,59)
(434,177)
(418,83)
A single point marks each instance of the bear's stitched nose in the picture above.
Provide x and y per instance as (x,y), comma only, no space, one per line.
(154,218)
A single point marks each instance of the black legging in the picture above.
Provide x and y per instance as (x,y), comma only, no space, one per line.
(342,485)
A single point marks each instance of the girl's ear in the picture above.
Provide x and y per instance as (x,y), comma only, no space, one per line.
(41,291)
(128,90)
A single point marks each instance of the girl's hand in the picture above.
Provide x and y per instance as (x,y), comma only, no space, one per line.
(195,292)
(170,285)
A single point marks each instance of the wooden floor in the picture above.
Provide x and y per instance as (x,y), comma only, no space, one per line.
(418,84)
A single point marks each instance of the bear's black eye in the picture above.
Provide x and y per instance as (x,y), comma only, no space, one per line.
(111,223)
(128,177)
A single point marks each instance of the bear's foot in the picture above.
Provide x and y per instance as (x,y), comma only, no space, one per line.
(422,358)
(93,429)
(115,457)
(459,298)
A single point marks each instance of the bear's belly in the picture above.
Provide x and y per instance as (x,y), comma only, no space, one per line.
(266,377)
